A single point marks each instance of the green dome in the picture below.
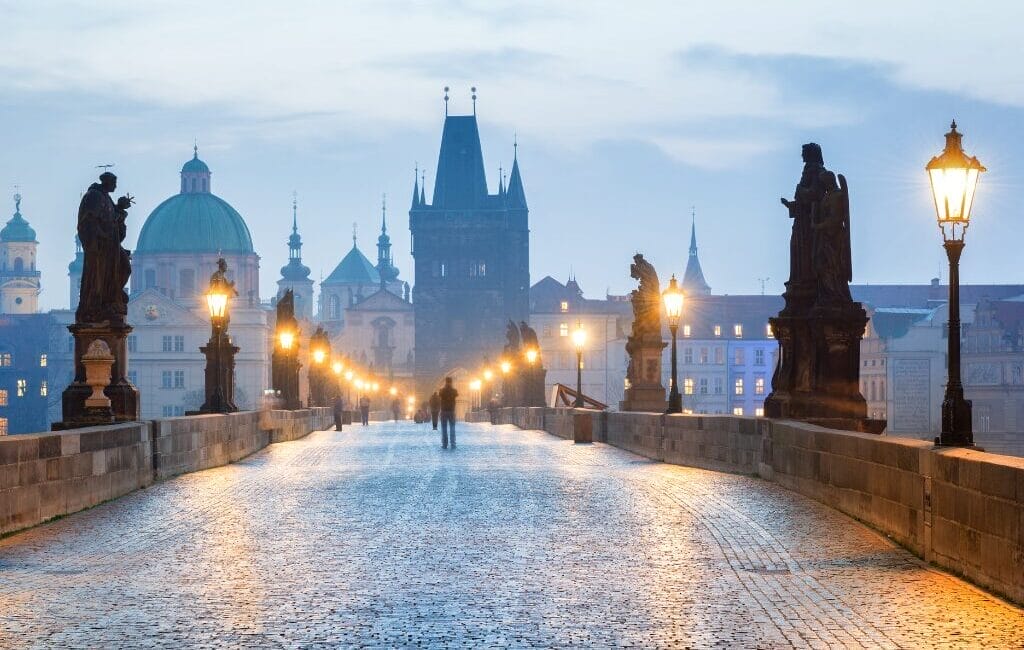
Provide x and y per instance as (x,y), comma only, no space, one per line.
(17,229)
(195,166)
(197,222)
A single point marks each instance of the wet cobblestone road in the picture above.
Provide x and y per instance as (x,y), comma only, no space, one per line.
(376,537)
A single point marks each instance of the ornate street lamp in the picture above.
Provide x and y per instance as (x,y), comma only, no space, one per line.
(673,297)
(506,367)
(320,352)
(286,366)
(579,339)
(531,356)
(954,178)
(219,351)
(474,386)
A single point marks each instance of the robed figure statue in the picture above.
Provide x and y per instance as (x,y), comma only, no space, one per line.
(107,266)
(831,252)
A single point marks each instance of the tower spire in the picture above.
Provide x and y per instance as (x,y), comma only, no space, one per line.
(384,213)
(416,186)
(446,101)
(473,90)
(693,279)
(295,212)
(355,227)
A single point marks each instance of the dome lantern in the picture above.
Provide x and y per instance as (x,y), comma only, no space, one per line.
(195,175)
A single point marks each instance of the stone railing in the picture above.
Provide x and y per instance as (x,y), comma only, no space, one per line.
(47,475)
(960,509)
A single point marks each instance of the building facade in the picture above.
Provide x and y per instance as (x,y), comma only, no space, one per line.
(472,255)
(25,389)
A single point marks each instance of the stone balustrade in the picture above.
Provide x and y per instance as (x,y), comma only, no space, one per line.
(960,509)
(47,475)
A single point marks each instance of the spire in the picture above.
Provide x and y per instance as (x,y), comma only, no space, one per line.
(460,181)
(355,228)
(693,279)
(385,263)
(501,181)
(423,188)
(295,212)
(383,213)
(516,194)
(295,270)
(416,187)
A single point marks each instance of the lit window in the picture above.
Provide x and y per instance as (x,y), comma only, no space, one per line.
(22,387)
(3,397)
(768,331)
(42,360)
(5,359)
(686,330)
(565,306)
(738,386)
(737,410)
(3,426)
(563,329)
(737,331)
(688,386)
(43,389)
(718,330)
(759,411)
(759,385)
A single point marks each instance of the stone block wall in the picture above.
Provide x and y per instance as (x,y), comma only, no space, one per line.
(958,508)
(193,443)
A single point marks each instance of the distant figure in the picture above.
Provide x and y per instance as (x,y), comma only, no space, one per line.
(435,408)
(492,409)
(447,396)
(396,408)
(339,412)
(364,409)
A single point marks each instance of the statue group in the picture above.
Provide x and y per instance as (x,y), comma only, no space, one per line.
(644,390)
(525,387)
(820,327)
(102,307)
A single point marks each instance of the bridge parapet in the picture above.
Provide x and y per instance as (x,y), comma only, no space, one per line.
(961,509)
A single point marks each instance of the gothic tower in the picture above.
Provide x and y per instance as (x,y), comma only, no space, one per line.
(472,256)
(694,283)
(295,275)
(19,279)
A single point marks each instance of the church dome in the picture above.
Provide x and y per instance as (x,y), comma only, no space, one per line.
(195,220)
(17,229)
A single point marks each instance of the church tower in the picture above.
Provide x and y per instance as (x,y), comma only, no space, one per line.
(19,279)
(385,262)
(75,274)
(295,275)
(694,283)
(472,256)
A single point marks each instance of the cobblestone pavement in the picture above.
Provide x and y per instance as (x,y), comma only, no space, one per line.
(376,537)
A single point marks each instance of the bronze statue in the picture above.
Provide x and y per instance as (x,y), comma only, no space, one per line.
(809,192)
(831,237)
(512,338)
(107,266)
(644,345)
(646,298)
(528,336)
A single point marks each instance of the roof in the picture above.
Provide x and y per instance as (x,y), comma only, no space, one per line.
(693,279)
(354,268)
(17,229)
(198,222)
(195,165)
(894,323)
(381,300)
(929,295)
(460,182)
(703,313)
(547,295)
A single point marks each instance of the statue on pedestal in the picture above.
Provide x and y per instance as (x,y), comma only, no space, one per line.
(645,344)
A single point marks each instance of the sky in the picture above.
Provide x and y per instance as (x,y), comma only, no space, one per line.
(629,117)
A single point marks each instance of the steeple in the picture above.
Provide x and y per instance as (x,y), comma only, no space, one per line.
(416,188)
(385,263)
(294,270)
(516,194)
(693,279)
(461,182)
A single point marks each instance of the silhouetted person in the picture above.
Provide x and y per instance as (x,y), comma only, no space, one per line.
(435,408)
(364,409)
(396,408)
(447,396)
(492,409)
(339,412)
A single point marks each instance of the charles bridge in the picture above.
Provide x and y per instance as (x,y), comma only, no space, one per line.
(666,530)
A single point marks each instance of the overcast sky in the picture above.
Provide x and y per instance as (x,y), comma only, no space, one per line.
(626,114)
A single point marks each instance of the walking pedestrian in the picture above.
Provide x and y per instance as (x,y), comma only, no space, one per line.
(396,408)
(339,412)
(364,409)
(447,396)
(435,408)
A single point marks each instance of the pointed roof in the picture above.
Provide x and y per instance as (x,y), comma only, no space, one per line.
(516,194)
(693,280)
(295,271)
(354,268)
(460,182)
(416,189)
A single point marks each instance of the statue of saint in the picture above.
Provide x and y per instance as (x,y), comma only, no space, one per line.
(286,308)
(107,266)
(646,298)
(831,252)
(512,338)
(809,191)
(528,336)
(219,280)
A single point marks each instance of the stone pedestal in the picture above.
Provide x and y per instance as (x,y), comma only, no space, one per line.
(284,370)
(531,386)
(124,398)
(817,378)
(645,391)
(219,392)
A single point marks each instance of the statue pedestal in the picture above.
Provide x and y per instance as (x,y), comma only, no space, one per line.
(817,378)
(124,398)
(531,386)
(645,392)
(284,370)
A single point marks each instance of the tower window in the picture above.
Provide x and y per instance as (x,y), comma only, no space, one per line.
(42,360)
(19,265)
(3,426)
(43,389)
(5,359)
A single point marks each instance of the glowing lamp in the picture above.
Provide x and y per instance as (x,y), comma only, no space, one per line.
(531,356)
(488,375)
(506,367)
(319,355)
(579,337)
(349,375)
(217,301)
(673,297)
(337,367)
(954,178)
(286,338)
(393,391)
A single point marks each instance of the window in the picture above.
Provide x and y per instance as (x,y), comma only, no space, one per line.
(737,410)
(703,355)
(703,385)
(563,329)
(42,360)
(758,357)
(688,386)
(477,269)
(3,426)
(737,331)
(179,343)
(565,306)
(737,356)
(738,386)
(688,355)
(444,270)
(44,390)
(179,378)
(768,331)
(166,379)
(719,355)
(6,359)
(3,397)
(133,377)
(719,386)
(167,343)
(759,385)
(686,330)
(22,387)
(133,343)
(718,330)
(759,411)
(167,411)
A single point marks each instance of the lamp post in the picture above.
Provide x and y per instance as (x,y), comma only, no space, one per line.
(320,352)
(579,339)
(954,178)
(474,386)
(219,351)
(673,297)
(286,378)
